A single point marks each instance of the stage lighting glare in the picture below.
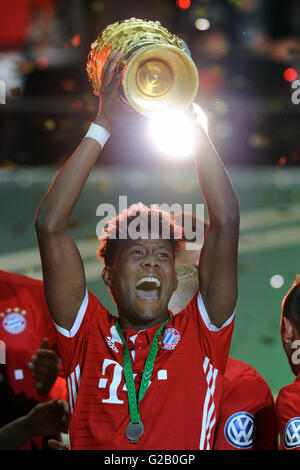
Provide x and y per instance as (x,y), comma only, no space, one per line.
(290,74)
(202,118)
(203,24)
(173,133)
(277,281)
(183,4)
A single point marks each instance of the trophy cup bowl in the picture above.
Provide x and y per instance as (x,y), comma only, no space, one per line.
(158,73)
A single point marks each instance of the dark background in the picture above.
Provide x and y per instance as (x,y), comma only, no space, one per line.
(252,119)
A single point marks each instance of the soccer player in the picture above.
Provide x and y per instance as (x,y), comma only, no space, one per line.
(29,364)
(247,418)
(288,399)
(173,362)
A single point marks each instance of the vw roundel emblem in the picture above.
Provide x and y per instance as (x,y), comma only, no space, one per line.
(171,338)
(240,430)
(292,433)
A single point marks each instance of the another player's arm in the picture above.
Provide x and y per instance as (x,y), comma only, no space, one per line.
(218,259)
(45,367)
(63,271)
(45,419)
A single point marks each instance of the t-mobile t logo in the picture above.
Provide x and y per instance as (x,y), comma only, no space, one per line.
(112,373)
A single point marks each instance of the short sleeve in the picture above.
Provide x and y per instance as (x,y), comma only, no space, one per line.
(71,343)
(216,341)
(246,398)
(288,418)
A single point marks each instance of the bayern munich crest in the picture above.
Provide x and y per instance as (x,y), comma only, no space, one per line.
(14,323)
(171,338)
(240,430)
(292,433)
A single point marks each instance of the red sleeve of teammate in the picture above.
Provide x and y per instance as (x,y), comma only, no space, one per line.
(247,418)
(216,341)
(288,416)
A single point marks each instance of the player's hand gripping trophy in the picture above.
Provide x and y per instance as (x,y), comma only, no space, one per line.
(155,72)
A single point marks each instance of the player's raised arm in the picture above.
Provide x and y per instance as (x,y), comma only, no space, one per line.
(218,258)
(63,271)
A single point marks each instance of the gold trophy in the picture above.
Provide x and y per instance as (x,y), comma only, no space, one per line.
(158,73)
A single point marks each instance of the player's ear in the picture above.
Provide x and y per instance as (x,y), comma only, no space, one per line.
(107,276)
(287,331)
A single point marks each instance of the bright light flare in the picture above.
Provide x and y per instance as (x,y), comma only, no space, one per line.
(277,281)
(203,24)
(201,116)
(174,132)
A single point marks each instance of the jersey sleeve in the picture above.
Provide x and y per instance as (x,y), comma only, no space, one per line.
(265,417)
(288,418)
(247,418)
(71,343)
(215,341)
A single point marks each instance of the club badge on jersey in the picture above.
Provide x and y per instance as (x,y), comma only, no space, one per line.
(170,339)
(292,433)
(240,430)
(14,320)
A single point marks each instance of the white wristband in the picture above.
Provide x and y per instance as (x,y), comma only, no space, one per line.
(98,133)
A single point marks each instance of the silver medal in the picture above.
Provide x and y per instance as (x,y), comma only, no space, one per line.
(134,430)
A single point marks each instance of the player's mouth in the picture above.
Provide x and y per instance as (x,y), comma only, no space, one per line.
(148,289)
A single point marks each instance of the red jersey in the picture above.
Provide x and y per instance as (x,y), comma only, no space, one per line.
(288,415)
(180,405)
(24,322)
(15,20)
(247,418)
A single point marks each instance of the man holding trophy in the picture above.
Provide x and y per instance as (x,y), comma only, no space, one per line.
(147,379)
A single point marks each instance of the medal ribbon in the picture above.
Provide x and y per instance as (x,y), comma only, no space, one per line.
(131,392)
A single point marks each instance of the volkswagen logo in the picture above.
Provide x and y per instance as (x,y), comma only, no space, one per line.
(292,433)
(240,430)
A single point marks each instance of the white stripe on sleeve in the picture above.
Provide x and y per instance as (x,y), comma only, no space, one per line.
(76,325)
(205,317)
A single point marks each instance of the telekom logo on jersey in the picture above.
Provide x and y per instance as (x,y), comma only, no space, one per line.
(116,380)
(112,373)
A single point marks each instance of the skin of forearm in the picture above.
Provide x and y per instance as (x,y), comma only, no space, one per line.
(218,192)
(15,434)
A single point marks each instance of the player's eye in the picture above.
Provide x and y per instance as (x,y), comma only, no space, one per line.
(137,252)
(163,254)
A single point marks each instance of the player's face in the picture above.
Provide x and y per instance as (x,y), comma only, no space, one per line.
(144,279)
